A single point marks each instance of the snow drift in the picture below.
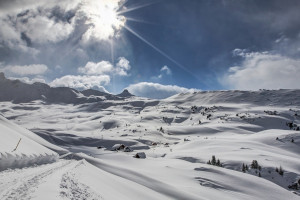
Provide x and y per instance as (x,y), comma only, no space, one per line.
(18,149)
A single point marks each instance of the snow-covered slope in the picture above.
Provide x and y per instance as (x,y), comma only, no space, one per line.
(282,97)
(22,148)
(178,136)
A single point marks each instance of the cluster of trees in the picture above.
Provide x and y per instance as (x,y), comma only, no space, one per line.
(293,126)
(215,161)
(253,165)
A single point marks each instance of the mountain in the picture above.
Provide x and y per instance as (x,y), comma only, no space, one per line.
(125,93)
(19,92)
(282,97)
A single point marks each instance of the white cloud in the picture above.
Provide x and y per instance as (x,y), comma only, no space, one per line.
(166,69)
(263,71)
(54,21)
(34,69)
(82,82)
(156,90)
(29,80)
(92,68)
(122,67)
(41,29)
(105,67)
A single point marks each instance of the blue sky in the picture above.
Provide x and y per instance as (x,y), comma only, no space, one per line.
(155,48)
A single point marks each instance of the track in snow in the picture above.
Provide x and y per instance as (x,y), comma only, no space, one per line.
(23,184)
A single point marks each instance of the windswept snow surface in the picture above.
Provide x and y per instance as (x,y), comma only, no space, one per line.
(178,135)
(19,150)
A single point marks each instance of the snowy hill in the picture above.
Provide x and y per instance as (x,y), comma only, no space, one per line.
(22,148)
(204,145)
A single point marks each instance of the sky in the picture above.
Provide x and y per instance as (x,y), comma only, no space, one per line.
(154,48)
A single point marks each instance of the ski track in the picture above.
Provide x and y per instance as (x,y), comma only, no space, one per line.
(72,189)
(21,184)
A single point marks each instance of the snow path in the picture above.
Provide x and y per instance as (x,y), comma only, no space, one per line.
(31,183)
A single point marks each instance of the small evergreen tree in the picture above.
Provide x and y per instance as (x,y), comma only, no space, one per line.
(213,160)
(243,168)
(209,162)
(218,163)
(254,164)
(280,171)
(292,140)
(259,174)
(161,130)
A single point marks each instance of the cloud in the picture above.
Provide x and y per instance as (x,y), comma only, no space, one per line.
(29,80)
(122,67)
(263,70)
(166,70)
(156,90)
(92,68)
(34,69)
(102,19)
(27,22)
(105,67)
(82,82)
(42,29)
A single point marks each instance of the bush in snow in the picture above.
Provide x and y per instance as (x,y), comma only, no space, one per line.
(293,186)
(194,109)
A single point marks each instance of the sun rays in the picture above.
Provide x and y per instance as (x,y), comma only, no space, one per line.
(122,12)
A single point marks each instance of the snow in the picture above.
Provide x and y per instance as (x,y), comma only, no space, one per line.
(22,148)
(177,135)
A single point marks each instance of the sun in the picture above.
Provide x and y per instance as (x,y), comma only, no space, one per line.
(102,18)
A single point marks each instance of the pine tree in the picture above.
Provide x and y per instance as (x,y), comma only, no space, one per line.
(259,174)
(213,160)
(209,162)
(280,171)
(243,168)
(218,163)
(254,164)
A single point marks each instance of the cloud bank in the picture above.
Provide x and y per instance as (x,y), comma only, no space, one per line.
(156,90)
(34,69)
(82,82)
(263,70)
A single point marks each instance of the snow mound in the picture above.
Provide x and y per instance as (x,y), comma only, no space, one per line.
(18,150)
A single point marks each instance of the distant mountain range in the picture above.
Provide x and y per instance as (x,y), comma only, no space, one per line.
(20,92)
